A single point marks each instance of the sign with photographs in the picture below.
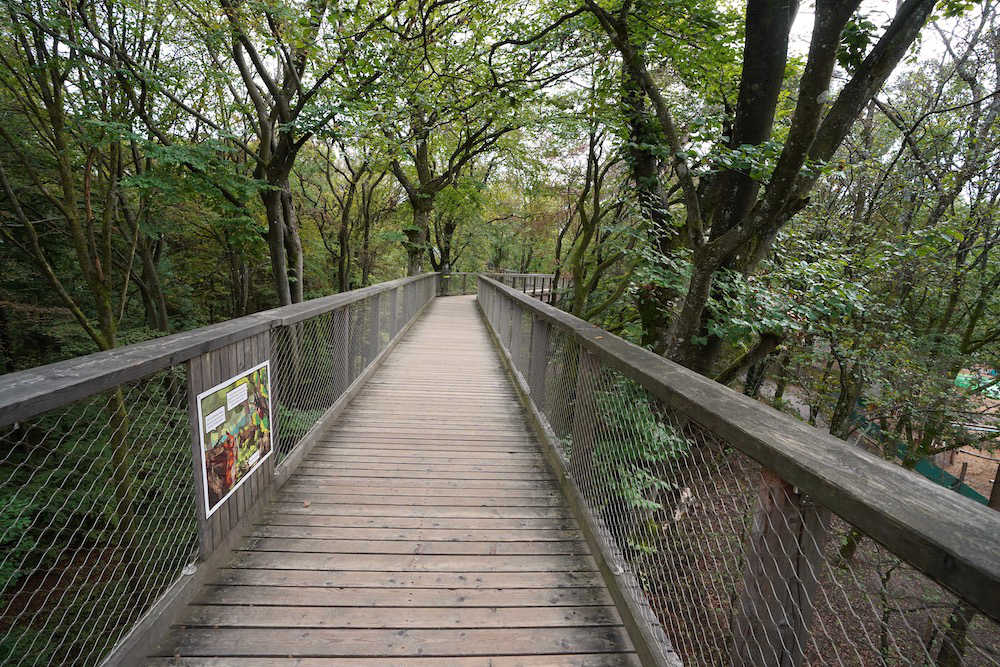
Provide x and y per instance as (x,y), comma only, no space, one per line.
(235,428)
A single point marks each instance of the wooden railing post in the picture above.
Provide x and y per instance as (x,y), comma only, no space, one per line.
(342,360)
(508,321)
(539,359)
(585,415)
(782,558)
(374,331)
(394,312)
(195,377)
(516,331)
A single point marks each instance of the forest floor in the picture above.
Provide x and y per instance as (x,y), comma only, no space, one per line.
(982,471)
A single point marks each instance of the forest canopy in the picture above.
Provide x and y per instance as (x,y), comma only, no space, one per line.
(786,197)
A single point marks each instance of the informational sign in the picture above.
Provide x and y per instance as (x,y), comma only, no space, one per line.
(235,429)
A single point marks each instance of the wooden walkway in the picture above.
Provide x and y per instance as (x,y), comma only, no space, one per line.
(425,529)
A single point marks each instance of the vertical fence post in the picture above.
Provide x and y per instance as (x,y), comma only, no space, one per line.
(953,644)
(516,326)
(497,302)
(585,418)
(465,277)
(539,359)
(206,371)
(374,328)
(394,309)
(506,321)
(195,378)
(783,555)
(342,359)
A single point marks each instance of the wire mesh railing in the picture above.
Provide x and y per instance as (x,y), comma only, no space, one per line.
(98,462)
(97,519)
(545,287)
(727,561)
(542,286)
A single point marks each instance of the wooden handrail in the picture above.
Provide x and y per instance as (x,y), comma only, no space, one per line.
(948,537)
(28,393)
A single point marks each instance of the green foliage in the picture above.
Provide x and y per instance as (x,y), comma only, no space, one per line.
(70,540)
(854,41)
(630,453)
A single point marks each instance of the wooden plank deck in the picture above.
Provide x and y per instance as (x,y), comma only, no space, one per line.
(425,529)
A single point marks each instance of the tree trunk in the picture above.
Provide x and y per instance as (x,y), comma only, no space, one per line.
(444,247)
(276,244)
(654,301)
(343,260)
(851,385)
(366,258)
(151,278)
(771,621)
(293,242)
(782,379)
(765,346)
(416,237)
(755,378)
(682,344)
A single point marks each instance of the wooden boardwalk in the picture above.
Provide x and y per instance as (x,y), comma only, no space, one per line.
(425,529)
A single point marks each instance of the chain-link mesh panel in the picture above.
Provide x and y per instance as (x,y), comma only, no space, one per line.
(541,286)
(726,561)
(97,519)
(311,371)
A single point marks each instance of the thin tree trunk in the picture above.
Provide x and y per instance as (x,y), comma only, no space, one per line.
(416,238)
(293,242)
(151,280)
(682,338)
(771,622)
(276,244)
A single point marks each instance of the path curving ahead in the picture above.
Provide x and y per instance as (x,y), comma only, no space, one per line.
(424,529)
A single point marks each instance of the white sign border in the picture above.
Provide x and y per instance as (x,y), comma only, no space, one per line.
(201,435)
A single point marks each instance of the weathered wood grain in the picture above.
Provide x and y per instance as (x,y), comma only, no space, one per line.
(297,616)
(420,523)
(398,643)
(420,535)
(393,598)
(550,660)
(404,580)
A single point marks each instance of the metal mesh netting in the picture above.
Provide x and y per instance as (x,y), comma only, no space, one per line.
(318,359)
(728,564)
(97,519)
(537,285)
(542,286)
